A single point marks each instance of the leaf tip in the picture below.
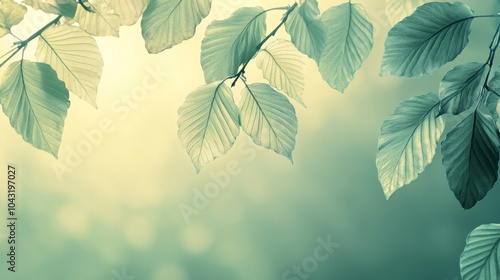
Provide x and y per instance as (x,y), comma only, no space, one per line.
(198,168)
(387,193)
(301,102)
(55,153)
(383,73)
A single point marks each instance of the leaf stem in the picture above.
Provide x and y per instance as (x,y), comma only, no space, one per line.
(488,88)
(22,44)
(493,49)
(487,16)
(85,7)
(494,46)
(241,73)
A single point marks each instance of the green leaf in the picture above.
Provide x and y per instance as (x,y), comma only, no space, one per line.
(208,123)
(470,155)
(66,8)
(495,81)
(491,104)
(348,44)
(11,13)
(492,100)
(36,103)
(284,67)
(75,56)
(232,42)
(306,29)
(433,35)
(167,23)
(461,87)
(399,9)
(129,10)
(481,257)
(269,118)
(408,141)
(102,22)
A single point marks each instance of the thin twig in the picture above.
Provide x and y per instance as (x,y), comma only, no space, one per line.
(241,73)
(488,88)
(22,44)
(493,49)
(85,7)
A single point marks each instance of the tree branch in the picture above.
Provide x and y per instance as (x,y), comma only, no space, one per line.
(488,88)
(241,73)
(493,49)
(22,44)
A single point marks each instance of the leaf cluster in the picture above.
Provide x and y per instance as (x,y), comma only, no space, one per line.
(338,40)
(435,34)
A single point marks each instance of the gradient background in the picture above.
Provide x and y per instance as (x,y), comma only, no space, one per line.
(119,208)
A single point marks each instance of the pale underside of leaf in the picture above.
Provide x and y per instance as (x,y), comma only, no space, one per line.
(470,156)
(167,23)
(11,13)
(66,8)
(399,9)
(348,44)
(461,87)
(408,141)
(433,35)
(102,22)
(128,10)
(36,103)
(208,123)
(232,42)
(481,256)
(307,30)
(284,67)
(76,58)
(269,118)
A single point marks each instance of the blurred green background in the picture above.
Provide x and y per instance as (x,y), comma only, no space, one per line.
(116,212)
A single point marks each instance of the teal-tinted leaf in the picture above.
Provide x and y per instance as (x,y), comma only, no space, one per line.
(231,42)
(11,13)
(495,81)
(208,123)
(461,87)
(492,104)
(481,257)
(269,118)
(167,23)
(66,8)
(349,42)
(470,155)
(306,29)
(408,141)
(36,103)
(129,10)
(103,21)
(492,100)
(284,67)
(399,9)
(75,56)
(433,35)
